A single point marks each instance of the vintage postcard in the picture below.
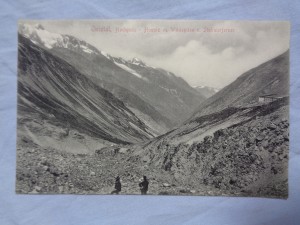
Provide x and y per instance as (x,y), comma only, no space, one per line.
(156,107)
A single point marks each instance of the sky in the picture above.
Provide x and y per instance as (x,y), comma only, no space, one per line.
(209,53)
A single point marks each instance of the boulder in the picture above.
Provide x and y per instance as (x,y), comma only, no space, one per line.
(166,185)
(31,151)
(265,143)
(272,126)
(185,191)
(37,188)
(45,168)
(260,137)
(60,189)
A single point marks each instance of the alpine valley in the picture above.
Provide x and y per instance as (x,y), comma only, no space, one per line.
(85,117)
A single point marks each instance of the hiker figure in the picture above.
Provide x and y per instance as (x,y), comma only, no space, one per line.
(144,186)
(118,186)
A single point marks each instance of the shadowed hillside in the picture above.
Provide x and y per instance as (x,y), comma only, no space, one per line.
(50,89)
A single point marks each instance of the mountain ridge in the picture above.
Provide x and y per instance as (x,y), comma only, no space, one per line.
(101,114)
(170,96)
(271,77)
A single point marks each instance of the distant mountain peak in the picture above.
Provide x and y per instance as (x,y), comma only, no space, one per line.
(137,61)
(206,91)
(37,34)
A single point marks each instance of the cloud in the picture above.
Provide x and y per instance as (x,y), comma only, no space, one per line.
(213,59)
(218,59)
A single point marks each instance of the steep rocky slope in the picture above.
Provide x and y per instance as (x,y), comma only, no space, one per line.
(248,157)
(169,95)
(49,89)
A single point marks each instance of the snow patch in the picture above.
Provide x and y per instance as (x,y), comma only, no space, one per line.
(170,90)
(138,62)
(105,54)
(208,88)
(86,49)
(124,67)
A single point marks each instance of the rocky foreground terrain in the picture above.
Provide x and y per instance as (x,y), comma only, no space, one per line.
(246,159)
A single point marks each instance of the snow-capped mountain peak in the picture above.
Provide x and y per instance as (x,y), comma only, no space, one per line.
(206,91)
(137,61)
(38,35)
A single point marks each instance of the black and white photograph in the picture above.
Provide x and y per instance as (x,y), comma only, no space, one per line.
(153,107)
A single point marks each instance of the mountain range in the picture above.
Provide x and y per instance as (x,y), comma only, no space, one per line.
(233,104)
(79,104)
(50,88)
(160,98)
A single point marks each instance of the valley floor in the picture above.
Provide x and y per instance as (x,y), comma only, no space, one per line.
(245,159)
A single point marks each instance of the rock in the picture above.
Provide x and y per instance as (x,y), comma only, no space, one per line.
(233,181)
(218,133)
(33,192)
(260,137)
(185,191)
(37,188)
(92,173)
(279,139)
(61,189)
(193,191)
(21,191)
(79,136)
(123,150)
(145,159)
(286,136)
(54,171)
(25,140)
(45,168)
(272,126)
(64,133)
(274,170)
(166,185)
(208,139)
(164,193)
